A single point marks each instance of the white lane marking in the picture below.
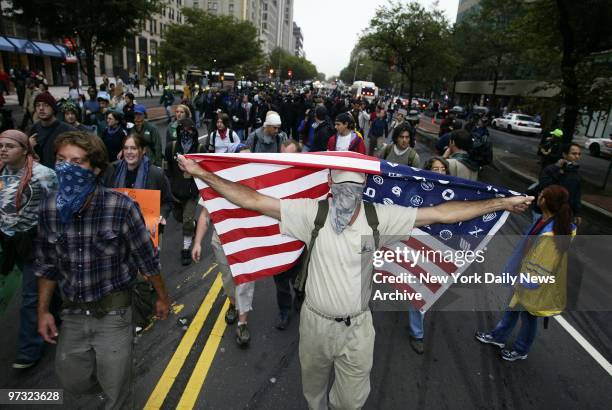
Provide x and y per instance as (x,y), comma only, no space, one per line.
(585,344)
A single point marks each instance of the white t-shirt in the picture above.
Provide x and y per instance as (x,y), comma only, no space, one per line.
(222,144)
(343,142)
(340,267)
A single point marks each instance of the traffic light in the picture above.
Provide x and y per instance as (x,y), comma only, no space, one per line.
(221,77)
(290,73)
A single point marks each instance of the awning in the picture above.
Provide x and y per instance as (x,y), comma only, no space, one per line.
(50,50)
(6,46)
(24,46)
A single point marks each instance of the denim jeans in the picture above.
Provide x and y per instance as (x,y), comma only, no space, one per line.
(241,134)
(415,323)
(283,282)
(527,333)
(198,119)
(30,344)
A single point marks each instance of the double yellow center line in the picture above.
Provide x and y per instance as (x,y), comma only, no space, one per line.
(196,381)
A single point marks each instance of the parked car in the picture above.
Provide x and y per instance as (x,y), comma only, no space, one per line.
(459,111)
(519,123)
(599,146)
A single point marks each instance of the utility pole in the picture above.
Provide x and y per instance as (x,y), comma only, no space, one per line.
(356,65)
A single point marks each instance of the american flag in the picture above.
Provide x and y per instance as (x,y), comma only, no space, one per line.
(255,248)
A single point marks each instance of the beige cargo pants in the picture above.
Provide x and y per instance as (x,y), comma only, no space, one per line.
(327,344)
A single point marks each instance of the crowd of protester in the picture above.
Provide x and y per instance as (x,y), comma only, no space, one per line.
(87,244)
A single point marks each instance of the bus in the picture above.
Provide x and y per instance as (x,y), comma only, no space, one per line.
(364,90)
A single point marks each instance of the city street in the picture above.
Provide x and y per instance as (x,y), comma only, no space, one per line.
(200,365)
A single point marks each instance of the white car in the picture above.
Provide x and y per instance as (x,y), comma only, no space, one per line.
(599,146)
(520,123)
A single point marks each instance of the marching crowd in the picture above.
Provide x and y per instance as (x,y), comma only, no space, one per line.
(83,247)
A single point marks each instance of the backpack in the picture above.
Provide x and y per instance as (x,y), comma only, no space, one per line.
(320,219)
(211,141)
(482,149)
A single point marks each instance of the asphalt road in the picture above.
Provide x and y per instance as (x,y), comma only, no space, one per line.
(592,169)
(208,371)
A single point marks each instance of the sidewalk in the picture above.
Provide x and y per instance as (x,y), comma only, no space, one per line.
(524,169)
(154,113)
(62,92)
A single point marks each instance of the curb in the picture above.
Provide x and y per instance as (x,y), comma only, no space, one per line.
(525,177)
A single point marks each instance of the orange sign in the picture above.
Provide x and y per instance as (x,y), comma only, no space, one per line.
(148,201)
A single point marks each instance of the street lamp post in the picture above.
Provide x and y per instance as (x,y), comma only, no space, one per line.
(357,64)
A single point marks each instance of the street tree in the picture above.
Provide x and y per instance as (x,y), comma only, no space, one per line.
(412,40)
(301,68)
(172,56)
(95,26)
(569,46)
(213,42)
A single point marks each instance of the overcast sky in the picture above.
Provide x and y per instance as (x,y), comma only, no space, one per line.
(331,27)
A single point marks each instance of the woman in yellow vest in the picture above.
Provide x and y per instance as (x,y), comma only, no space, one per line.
(540,265)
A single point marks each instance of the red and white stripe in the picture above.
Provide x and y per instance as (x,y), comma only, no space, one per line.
(252,242)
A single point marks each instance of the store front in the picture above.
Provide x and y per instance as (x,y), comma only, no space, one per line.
(41,56)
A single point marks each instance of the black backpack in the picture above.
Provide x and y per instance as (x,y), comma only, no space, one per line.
(212,139)
(482,149)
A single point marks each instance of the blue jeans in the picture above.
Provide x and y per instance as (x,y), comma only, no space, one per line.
(241,134)
(527,333)
(416,323)
(30,344)
(198,119)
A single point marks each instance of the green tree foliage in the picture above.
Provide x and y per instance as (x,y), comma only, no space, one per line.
(204,38)
(97,25)
(361,67)
(301,68)
(568,43)
(412,40)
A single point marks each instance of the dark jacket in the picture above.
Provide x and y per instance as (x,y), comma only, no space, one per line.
(240,121)
(182,184)
(322,134)
(379,128)
(156,180)
(569,178)
(45,140)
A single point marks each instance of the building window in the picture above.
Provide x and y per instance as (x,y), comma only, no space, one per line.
(163,11)
(264,16)
(231,7)
(264,26)
(196,5)
(265,6)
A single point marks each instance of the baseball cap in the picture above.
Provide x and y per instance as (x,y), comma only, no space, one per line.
(140,109)
(556,133)
(339,176)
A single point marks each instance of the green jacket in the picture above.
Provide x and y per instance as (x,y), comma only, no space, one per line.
(152,139)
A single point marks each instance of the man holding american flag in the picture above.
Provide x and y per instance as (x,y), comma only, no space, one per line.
(335,324)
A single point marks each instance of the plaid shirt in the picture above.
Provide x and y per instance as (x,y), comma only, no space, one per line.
(100,251)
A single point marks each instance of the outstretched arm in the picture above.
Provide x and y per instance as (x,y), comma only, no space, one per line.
(237,194)
(457,211)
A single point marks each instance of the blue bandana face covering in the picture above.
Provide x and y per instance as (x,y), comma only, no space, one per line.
(75,185)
